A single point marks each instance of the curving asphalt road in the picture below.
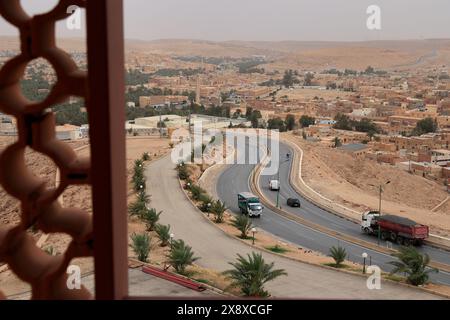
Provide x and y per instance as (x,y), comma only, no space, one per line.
(217,249)
(235,179)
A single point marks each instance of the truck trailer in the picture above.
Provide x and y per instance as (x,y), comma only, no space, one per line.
(393,228)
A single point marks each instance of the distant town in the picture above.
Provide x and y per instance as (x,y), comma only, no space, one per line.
(399,117)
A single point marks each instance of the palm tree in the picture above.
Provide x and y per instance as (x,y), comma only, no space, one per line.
(243,224)
(197,192)
(163,233)
(141,245)
(252,273)
(206,204)
(183,172)
(181,256)
(137,208)
(143,197)
(338,254)
(151,218)
(413,264)
(218,208)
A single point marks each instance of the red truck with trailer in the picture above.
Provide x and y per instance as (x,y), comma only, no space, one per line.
(393,228)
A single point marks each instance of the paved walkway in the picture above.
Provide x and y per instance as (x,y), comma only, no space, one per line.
(142,284)
(216,249)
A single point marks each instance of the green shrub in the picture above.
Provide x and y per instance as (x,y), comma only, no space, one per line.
(145,156)
(252,273)
(163,233)
(181,256)
(137,208)
(277,249)
(218,208)
(151,218)
(196,192)
(183,172)
(206,203)
(338,254)
(412,263)
(243,224)
(141,244)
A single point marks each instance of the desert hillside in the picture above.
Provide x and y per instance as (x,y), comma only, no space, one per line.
(354,183)
(290,54)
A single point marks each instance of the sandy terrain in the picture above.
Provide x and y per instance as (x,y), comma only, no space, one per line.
(352,182)
(76,196)
(288,54)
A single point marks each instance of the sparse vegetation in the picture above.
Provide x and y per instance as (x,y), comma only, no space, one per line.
(138,176)
(183,172)
(163,233)
(206,203)
(243,224)
(141,244)
(145,156)
(181,256)
(306,121)
(251,273)
(151,218)
(413,264)
(218,208)
(338,254)
(277,249)
(196,192)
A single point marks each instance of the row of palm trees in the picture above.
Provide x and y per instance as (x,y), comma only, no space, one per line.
(249,273)
(410,263)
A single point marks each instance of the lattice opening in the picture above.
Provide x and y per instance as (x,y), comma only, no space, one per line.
(42,167)
(38,80)
(32,7)
(71,112)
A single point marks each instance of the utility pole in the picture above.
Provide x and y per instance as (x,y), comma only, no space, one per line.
(160,123)
(379,210)
(288,156)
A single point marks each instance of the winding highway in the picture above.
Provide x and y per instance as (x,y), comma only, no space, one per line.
(235,179)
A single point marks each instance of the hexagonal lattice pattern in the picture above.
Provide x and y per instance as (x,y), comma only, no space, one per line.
(36,127)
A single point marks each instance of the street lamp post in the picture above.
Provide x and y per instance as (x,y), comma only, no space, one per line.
(253,230)
(379,207)
(288,157)
(171,240)
(364,255)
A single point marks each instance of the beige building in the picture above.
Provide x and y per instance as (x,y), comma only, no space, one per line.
(161,100)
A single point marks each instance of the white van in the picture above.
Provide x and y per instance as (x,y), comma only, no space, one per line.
(274,185)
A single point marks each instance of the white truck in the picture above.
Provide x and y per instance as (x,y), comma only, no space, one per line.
(274,185)
(250,204)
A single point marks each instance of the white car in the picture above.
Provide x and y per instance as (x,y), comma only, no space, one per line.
(274,185)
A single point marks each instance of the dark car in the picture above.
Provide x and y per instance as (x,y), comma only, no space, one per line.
(292,202)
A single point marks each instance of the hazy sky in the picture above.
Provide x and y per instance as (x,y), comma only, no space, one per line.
(272,19)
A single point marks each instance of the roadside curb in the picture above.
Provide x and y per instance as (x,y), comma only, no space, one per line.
(207,286)
(297,260)
(433,242)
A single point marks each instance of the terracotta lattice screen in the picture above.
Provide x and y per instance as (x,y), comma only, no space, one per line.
(102,235)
